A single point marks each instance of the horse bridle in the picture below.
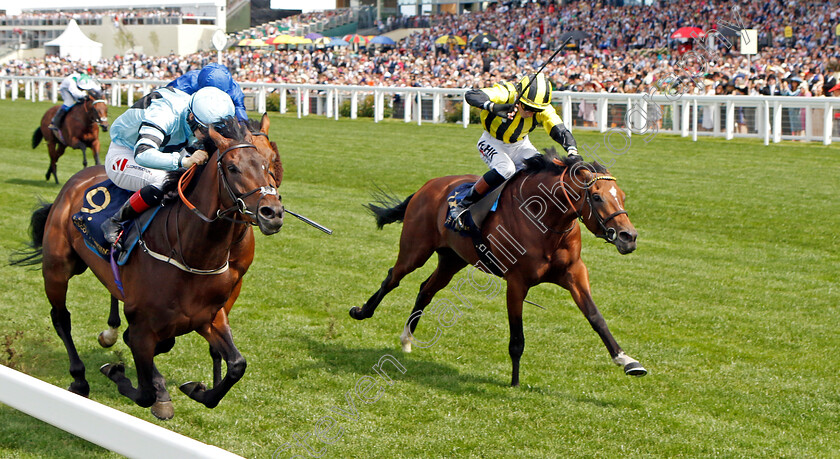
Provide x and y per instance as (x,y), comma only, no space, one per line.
(609,233)
(238,200)
(95,118)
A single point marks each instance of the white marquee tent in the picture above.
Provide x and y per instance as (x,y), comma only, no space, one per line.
(73,44)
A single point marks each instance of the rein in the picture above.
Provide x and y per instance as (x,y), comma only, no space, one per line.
(239,201)
(239,206)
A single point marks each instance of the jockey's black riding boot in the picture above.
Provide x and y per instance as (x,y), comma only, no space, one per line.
(59,116)
(141,200)
(484,185)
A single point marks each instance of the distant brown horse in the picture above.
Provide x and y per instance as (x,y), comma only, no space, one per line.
(80,130)
(166,299)
(533,237)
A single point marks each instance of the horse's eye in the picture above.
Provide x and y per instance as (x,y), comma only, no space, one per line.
(596,197)
(232,168)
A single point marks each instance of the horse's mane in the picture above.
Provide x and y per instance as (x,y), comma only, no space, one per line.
(548,162)
(230,129)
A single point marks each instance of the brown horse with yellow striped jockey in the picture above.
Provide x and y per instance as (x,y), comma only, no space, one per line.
(533,238)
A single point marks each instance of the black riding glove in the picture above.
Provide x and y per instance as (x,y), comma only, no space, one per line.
(498,109)
(561,135)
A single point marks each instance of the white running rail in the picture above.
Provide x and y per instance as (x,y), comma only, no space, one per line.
(771,118)
(97,423)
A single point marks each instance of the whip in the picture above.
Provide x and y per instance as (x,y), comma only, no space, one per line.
(306,220)
(531,80)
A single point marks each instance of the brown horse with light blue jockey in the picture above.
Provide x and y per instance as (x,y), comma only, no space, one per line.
(190,288)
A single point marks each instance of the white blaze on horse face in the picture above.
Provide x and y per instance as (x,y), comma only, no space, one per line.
(614,192)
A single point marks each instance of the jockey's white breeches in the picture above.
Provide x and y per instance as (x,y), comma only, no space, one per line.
(124,171)
(505,158)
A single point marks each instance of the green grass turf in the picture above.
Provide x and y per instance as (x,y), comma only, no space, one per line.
(731,301)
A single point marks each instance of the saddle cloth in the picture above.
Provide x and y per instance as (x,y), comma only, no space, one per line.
(102,201)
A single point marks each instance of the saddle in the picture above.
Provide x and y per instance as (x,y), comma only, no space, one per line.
(101,202)
(473,218)
(476,213)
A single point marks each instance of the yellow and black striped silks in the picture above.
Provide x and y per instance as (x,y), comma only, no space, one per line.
(510,131)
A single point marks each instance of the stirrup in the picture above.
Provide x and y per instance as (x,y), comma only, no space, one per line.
(457,221)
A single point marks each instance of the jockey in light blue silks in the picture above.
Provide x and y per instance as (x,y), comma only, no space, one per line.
(217,76)
(73,90)
(152,138)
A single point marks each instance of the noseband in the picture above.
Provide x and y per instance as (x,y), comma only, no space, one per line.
(95,115)
(239,205)
(609,233)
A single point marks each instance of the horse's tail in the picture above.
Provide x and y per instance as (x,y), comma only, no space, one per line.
(36,137)
(37,224)
(387,209)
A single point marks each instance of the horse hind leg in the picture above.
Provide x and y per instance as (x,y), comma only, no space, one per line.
(56,150)
(57,295)
(108,337)
(449,263)
(409,259)
(84,156)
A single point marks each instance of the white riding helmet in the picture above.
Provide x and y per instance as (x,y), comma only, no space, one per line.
(86,83)
(210,106)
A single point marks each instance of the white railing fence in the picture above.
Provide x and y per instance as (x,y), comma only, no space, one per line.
(97,423)
(771,118)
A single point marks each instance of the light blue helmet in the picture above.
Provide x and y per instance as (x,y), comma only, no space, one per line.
(210,106)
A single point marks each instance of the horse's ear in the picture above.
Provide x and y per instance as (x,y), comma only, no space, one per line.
(582,173)
(264,123)
(220,140)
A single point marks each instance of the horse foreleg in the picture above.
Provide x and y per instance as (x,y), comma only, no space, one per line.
(449,263)
(56,289)
(220,322)
(576,281)
(84,156)
(221,341)
(516,293)
(108,337)
(163,408)
(143,350)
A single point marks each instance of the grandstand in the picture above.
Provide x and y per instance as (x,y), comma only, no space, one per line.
(155,28)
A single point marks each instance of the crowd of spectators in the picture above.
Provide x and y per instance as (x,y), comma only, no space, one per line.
(629,50)
(292,24)
(84,17)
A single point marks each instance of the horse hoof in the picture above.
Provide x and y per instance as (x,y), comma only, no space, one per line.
(163,410)
(114,371)
(82,389)
(107,338)
(356,313)
(634,369)
(192,389)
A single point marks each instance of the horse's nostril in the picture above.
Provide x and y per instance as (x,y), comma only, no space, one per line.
(267,212)
(627,236)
